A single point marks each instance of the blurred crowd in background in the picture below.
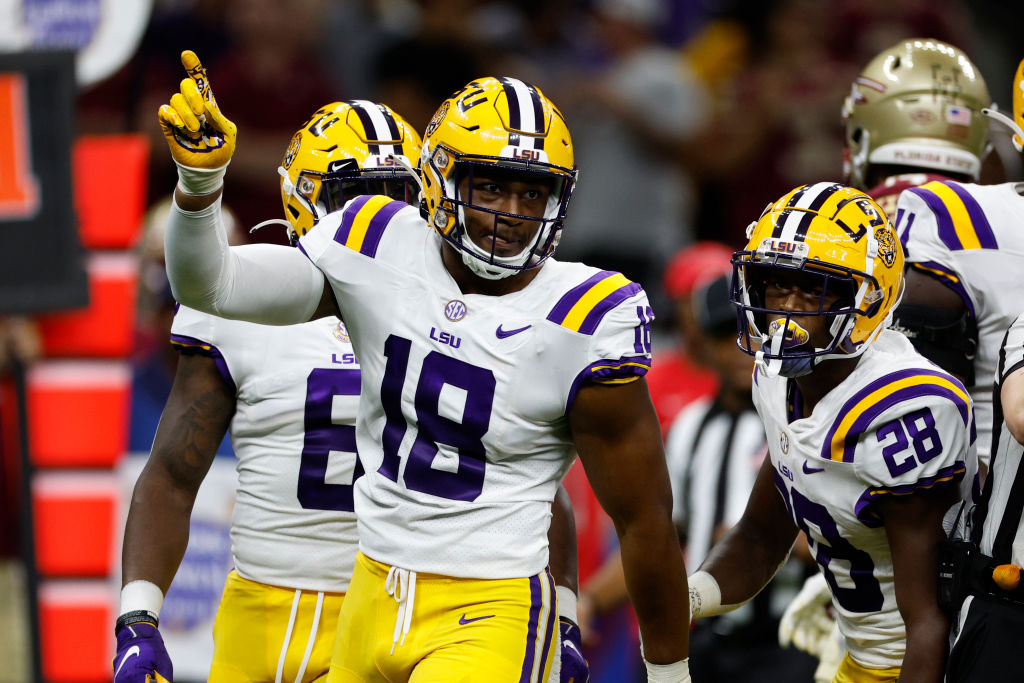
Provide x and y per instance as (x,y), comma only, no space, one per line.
(679,109)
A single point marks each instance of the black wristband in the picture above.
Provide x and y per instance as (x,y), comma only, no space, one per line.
(135,617)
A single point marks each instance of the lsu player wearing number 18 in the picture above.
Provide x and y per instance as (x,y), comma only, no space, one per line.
(485,363)
(870,445)
(289,396)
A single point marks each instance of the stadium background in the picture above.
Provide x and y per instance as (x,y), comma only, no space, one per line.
(84,180)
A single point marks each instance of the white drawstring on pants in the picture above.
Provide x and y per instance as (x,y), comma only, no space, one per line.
(288,637)
(401,585)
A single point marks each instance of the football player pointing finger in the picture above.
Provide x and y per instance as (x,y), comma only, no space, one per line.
(485,362)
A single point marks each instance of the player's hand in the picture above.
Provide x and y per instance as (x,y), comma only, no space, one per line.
(200,137)
(141,656)
(574,666)
(807,622)
(830,658)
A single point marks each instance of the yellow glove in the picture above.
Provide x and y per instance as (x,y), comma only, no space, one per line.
(200,137)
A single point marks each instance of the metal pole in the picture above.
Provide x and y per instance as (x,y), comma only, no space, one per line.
(26,520)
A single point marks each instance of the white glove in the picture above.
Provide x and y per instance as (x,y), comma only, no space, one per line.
(831,656)
(807,622)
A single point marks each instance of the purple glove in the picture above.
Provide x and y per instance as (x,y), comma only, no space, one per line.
(141,656)
(574,666)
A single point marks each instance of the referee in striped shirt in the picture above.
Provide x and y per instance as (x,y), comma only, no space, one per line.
(991,623)
(714,450)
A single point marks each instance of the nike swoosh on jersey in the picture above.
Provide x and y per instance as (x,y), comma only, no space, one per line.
(133,651)
(463,620)
(812,470)
(502,334)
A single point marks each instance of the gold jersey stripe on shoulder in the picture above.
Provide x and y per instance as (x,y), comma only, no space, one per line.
(869,402)
(364,221)
(582,308)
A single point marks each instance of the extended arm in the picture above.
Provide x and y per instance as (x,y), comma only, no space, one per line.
(191,427)
(618,439)
(260,283)
(193,423)
(750,553)
(913,526)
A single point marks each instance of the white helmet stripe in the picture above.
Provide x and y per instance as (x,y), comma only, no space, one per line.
(377,126)
(525,111)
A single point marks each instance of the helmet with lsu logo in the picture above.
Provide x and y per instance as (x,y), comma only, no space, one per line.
(1015,124)
(496,128)
(344,150)
(842,244)
(916,104)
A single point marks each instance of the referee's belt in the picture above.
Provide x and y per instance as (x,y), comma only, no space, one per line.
(988,577)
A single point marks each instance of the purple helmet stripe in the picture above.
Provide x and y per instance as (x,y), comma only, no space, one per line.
(372,134)
(862,508)
(536,601)
(203,348)
(922,388)
(947,233)
(979,221)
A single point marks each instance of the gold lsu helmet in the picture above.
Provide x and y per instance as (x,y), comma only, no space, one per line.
(916,104)
(1015,124)
(504,126)
(344,150)
(844,242)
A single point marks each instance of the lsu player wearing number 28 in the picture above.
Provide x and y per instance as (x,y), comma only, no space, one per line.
(870,444)
(484,362)
(289,396)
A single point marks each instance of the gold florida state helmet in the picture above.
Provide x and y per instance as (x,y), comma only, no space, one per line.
(916,104)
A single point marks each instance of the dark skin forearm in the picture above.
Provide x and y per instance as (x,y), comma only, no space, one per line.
(562,556)
(193,423)
(618,439)
(913,526)
(748,555)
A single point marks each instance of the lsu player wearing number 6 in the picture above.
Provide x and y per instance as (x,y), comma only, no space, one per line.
(870,444)
(289,397)
(485,363)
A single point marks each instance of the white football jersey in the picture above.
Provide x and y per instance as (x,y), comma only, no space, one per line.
(1000,513)
(971,238)
(463,426)
(293,432)
(897,424)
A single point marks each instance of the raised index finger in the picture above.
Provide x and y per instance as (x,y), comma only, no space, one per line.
(196,71)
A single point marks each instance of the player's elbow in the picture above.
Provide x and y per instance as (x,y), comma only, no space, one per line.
(1015,423)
